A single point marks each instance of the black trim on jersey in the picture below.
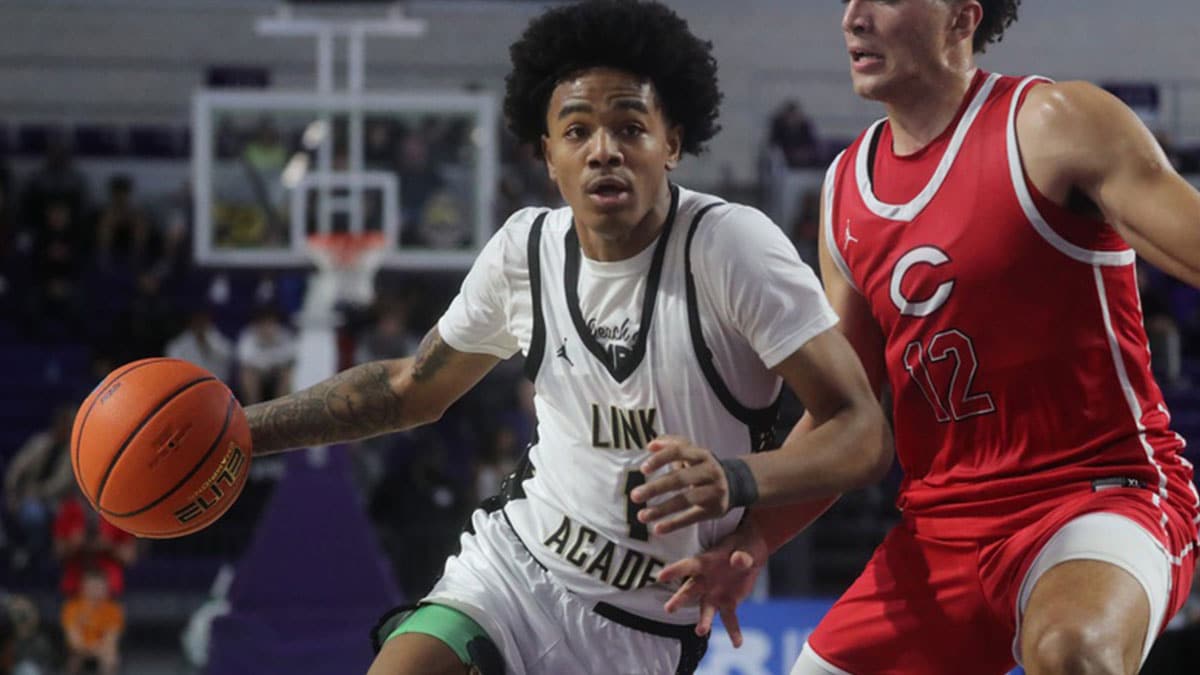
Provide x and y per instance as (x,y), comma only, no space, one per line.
(760,421)
(620,372)
(511,488)
(615,614)
(693,647)
(537,343)
(872,149)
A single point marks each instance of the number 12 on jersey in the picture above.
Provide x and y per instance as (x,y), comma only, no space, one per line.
(956,402)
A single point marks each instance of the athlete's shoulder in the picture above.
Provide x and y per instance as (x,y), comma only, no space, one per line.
(506,253)
(729,238)
(518,225)
(719,221)
(1078,124)
(1067,104)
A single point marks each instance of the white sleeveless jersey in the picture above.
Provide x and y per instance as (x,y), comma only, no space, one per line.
(724,297)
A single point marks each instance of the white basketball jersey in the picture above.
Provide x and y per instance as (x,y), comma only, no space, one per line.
(607,385)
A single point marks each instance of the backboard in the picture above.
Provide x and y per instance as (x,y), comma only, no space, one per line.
(271,167)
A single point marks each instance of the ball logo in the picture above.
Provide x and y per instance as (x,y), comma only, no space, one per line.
(922,255)
(211,492)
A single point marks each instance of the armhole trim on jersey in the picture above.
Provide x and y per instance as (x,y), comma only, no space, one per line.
(906,212)
(830,241)
(760,421)
(537,343)
(1035,218)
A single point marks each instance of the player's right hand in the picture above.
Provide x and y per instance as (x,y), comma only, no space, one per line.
(719,579)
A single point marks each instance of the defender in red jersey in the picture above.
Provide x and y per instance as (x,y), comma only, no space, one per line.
(979,246)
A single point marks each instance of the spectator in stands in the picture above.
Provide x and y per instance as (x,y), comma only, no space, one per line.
(203,344)
(419,180)
(418,525)
(84,540)
(34,653)
(380,142)
(387,335)
(266,352)
(92,625)
(59,253)
(37,478)
(390,336)
(449,139)
(263,159)
(265,151)
(124,235)
(497,458)
(147,321)
(443,222)
(177,227)
(792,135)
(56,181)
(523,178)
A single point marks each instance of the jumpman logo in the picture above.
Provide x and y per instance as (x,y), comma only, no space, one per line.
(849,237)
(562,353)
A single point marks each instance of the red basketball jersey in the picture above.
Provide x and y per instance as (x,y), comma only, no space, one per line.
(1014,342)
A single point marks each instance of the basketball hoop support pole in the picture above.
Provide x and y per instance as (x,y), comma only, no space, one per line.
(318,330)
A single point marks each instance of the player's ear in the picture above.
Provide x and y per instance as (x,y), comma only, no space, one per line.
(964,20)
(674,146)
(545,143)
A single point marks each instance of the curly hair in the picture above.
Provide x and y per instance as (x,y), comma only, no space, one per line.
(997,16)
(645,39)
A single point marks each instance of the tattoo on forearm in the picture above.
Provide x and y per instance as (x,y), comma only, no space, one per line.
(431,356)
(357,403)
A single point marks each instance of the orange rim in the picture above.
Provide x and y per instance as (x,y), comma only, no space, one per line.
(346,247)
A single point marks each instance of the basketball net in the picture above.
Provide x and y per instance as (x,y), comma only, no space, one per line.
(345,275)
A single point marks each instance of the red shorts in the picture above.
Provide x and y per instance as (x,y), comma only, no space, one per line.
(929,605)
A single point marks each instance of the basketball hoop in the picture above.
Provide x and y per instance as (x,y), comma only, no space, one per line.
(346,267)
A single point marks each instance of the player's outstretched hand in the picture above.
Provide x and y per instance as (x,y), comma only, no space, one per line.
(719,579)
(695,477)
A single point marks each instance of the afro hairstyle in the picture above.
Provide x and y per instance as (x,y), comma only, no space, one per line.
(646,39)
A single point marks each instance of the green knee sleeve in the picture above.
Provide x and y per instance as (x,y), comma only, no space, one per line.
(458,631)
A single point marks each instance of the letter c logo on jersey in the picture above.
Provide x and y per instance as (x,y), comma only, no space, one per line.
(928,255)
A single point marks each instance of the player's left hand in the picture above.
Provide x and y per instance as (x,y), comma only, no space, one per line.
(696,479)
(719,579)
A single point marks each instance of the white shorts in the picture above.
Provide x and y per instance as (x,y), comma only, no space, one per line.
(541,627)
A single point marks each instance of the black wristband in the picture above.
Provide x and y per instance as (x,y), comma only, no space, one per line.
(743,489)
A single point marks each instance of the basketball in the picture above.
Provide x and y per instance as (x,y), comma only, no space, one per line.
(161,448)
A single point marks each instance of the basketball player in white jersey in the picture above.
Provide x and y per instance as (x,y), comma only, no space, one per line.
(645,311)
